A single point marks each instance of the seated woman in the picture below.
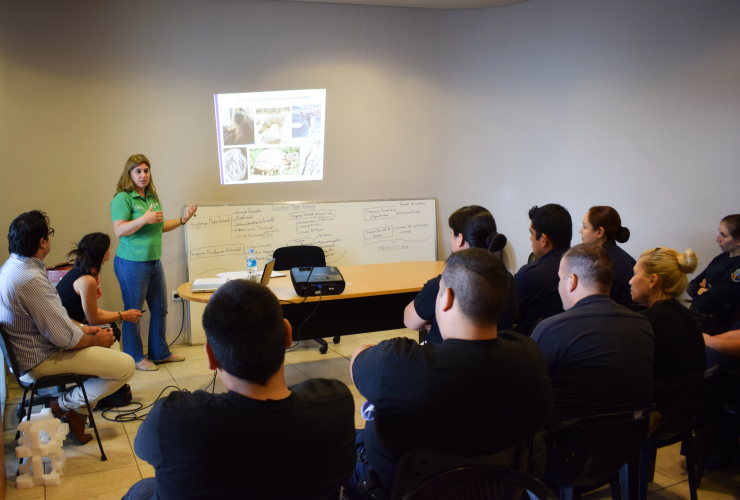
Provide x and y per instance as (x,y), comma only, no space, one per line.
(603,226)
(716,291)
(470,227)
(80,287)
(660,277)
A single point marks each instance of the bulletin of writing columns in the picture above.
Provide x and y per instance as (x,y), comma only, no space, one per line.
(41,443)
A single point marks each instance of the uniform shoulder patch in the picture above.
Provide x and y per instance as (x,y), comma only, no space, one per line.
(735,275)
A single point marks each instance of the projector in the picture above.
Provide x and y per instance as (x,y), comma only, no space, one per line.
(312,281)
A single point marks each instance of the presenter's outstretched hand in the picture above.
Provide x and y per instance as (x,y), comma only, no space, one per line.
(153,216)
(189,212)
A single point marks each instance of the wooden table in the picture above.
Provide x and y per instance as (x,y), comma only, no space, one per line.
(373,300)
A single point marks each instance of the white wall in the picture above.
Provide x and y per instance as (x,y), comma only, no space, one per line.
(633,104)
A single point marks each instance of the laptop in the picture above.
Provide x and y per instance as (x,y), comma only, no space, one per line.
(267,272)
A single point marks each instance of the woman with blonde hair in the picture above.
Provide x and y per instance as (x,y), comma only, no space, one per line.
(660,277)
(139,222)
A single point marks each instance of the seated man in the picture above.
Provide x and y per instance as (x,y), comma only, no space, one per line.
(550,232)
(478,392)
(599,354)
(261,439)
(43,338)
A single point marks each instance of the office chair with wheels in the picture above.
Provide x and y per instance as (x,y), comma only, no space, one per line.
(585,453)
(286,258)
(678,401)
(44,382)
(480,483)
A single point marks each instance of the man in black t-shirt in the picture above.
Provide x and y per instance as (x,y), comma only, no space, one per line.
(599,354)
(261,439)
(478,392)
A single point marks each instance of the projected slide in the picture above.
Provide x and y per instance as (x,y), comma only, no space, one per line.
(271,136)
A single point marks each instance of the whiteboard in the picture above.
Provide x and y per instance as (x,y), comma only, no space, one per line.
(219,237)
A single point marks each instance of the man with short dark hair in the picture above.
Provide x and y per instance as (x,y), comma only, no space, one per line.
(478,392)
(550,232)
(599,354)
(262,439)
(43,338)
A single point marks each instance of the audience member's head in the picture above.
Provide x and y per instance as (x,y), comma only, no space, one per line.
(26,232)
(477,227)
(91,252)
(126,184)
(245,329)
(660,273)
(729,234)
(603,225)
(585,269)
(479,285)
(550,228)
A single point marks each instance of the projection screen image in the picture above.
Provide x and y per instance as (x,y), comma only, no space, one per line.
(271,136)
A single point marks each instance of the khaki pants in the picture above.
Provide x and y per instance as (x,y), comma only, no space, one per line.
(110,368)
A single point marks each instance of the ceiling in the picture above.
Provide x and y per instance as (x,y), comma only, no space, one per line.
(425,4)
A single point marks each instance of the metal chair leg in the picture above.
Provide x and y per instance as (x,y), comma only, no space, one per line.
(92,419)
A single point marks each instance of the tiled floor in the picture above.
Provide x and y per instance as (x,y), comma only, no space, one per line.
(86,477)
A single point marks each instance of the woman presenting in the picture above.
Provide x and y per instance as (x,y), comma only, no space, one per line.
(716,291)
(139,223)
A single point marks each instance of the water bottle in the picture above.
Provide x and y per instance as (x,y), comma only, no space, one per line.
(252,265)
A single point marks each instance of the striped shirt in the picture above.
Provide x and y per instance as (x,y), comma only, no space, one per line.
(32,314)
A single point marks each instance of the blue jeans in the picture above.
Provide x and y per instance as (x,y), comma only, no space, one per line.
(139,281)
(143,490)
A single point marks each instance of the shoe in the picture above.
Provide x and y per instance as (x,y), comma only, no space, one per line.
(75,420)
(174,358)
(121,397)
(146,368)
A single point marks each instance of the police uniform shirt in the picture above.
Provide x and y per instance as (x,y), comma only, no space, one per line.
(537,285)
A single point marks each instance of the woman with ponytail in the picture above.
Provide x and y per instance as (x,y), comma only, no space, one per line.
(470,227)
(660,277)
(603,226)
(80,287)
(716,291)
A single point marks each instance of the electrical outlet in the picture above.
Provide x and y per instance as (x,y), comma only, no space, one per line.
(175,295)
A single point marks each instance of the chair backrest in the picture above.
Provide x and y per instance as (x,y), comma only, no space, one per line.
(590,450)
(8,355)
(286,258)
(679,401)
(480,483)
(417,465)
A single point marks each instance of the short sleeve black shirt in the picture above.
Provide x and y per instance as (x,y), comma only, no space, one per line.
(537,284)
(301,447)
(600,358)
(459,396)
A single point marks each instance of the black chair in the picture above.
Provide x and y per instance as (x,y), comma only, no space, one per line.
(722,390)
(586,453)
(417,466)
(44,382)
(480,483)
(286,258)
(678,401)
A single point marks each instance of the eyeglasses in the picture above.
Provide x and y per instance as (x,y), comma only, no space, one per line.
(51,232)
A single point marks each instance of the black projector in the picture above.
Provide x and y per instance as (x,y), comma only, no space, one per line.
(312,281)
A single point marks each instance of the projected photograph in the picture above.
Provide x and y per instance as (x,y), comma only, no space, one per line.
(274,161)
(271,136)
(235,164)
(238,126)
(306,121)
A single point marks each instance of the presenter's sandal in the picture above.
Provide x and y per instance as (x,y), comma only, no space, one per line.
(146,366)
(75,420)
(175,358)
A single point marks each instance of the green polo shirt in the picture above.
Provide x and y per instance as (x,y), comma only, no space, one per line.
(146,243)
